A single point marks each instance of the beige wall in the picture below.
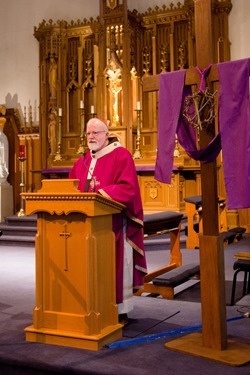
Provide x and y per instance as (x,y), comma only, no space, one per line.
(19,49)
(239,21)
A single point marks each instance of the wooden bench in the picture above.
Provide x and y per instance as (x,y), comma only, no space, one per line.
(159,223)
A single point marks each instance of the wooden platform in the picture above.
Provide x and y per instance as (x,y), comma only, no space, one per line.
(236,354)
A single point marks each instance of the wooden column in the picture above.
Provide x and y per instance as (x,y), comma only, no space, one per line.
(214,329)
(211,246)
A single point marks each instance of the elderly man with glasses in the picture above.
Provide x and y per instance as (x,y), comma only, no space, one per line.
(108,169)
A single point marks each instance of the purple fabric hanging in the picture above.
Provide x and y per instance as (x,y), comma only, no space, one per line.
(234,120)
(234,136)
(170,101)
(187,135)
(172,93)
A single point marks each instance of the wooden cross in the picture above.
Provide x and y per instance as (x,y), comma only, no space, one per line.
(214,327)
(66,235)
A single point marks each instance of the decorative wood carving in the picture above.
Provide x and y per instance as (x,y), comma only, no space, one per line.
(75,59)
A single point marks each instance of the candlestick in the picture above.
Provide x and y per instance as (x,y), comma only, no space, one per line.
(81,104)
(137,153)
(92,109)
(59,132)
(177,153)
(22,159)
(83,145)
(58,156)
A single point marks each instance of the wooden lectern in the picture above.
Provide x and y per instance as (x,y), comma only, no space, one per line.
(75,267)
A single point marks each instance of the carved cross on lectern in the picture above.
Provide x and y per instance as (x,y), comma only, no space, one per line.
(66,235)
(214,330)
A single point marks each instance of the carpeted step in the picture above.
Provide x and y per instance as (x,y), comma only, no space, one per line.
(18,230)
(17,240)
(30,220)
(15,230)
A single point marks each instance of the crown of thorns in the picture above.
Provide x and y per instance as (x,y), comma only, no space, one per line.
(199,109)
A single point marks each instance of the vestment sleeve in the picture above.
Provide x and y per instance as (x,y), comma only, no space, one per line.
(125,188)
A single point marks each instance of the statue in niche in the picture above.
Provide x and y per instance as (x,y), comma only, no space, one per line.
(181,57)
(52,133)
(114,75)
(4,148)
(2,110)
(112,4)
(52,77)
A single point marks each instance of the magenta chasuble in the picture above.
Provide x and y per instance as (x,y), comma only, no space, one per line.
(115,177)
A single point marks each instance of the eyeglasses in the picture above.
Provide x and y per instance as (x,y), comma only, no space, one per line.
(95,133)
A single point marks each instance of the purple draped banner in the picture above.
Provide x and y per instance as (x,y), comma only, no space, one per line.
(234,136)
(234,120)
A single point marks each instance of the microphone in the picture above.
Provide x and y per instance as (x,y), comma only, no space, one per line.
(89,182)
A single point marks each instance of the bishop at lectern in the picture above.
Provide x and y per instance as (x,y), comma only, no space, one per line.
(108,169)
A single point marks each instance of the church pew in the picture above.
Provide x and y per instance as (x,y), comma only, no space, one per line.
(193,208)
(156,224)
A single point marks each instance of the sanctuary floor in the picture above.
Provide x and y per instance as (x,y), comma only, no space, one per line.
(153,322)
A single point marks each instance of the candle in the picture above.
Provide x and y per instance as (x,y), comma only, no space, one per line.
(22,151)
(81,104)
(60,112)
(138,105)
(92,109)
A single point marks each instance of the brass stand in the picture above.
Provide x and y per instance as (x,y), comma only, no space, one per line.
(177,153)
(137,153)
(82,147)
(22,210)
(58,156)
(92,115)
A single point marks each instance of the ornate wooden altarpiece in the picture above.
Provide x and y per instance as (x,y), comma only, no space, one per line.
(96,67)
